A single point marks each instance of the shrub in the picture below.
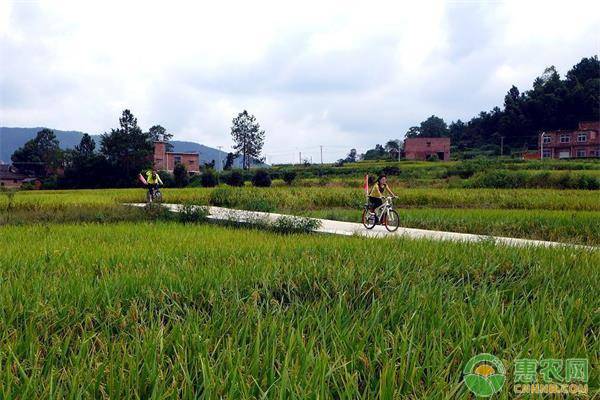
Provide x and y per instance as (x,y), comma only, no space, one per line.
(190,213)
(433,157)
(180,175)
(261,179)
(166,178)
(391,170)
(287,224)
(209,178)
(235,178)
(289,177)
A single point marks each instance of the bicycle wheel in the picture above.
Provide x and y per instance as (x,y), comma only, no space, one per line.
(392,221)
(368,219)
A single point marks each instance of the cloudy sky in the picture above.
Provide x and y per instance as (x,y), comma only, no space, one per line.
(338,74)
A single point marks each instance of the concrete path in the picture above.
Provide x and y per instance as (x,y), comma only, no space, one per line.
(352,228)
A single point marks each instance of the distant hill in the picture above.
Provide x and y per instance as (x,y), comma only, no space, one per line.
(13,138)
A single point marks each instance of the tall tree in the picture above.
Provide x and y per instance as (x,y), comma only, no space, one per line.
(86,146)
(248,137)
(393,148)
(413,131)
(229,161)
(158,133)
(127,149)
(40,155)
(352,156)
(433,127)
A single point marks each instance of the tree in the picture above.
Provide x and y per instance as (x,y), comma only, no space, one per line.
(412,132)
(352,156)
(433,127)
(40,155)
(248,137)
(229,161)
(393,148)
(180,174)
(158,133)
(85,168)
(377,153)
(127,149)
(86,146)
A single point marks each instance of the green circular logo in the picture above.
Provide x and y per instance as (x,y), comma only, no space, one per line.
(484,375)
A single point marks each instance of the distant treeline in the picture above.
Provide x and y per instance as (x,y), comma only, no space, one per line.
(552,103)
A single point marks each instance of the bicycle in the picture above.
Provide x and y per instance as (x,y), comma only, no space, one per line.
(385,214)
(154,195)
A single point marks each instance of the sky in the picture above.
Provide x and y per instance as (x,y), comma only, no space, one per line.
(340,75)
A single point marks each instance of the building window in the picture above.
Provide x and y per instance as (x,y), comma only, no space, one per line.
(177,159)
(565,139)
(547,139)
(582,137)
(428,144)
(580,153)
(191,162)
(547,153)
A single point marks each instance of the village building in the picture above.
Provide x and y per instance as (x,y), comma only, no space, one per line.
(583,142)
(11,178)
(166,160)
(424,148)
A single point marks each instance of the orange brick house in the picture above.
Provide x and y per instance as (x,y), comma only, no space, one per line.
(166,160)
(420,148)
(582,142)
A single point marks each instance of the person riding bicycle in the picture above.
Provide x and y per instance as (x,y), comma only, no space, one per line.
(152,180)
(378,191)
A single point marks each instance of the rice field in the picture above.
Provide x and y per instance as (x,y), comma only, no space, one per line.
(299,198)
(571,216)
(165,310)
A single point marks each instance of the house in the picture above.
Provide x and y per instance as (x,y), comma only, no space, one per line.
(422,148)
(11,178)
(166,160)
(580,143)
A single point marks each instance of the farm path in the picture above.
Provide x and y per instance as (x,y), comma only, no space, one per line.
(352,228)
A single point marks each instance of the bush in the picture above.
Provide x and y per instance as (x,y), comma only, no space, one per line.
(166,178)
(209,178)
(180,175)
(190,213)
(261,179)
(391,170)
(289,177)
(433,157)
(287,225)
(235,178)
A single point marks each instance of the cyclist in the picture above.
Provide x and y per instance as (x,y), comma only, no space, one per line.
(377,192)
(152,180)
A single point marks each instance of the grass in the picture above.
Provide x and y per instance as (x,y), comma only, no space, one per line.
(165,310)
(546,214)
(579,227)
(299,198)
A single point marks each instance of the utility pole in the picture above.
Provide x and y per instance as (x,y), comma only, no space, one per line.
(542,145)
(219,166)
(321,146)
(501,145)
(300,157)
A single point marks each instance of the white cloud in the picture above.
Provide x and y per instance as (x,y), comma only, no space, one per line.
(342,74)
